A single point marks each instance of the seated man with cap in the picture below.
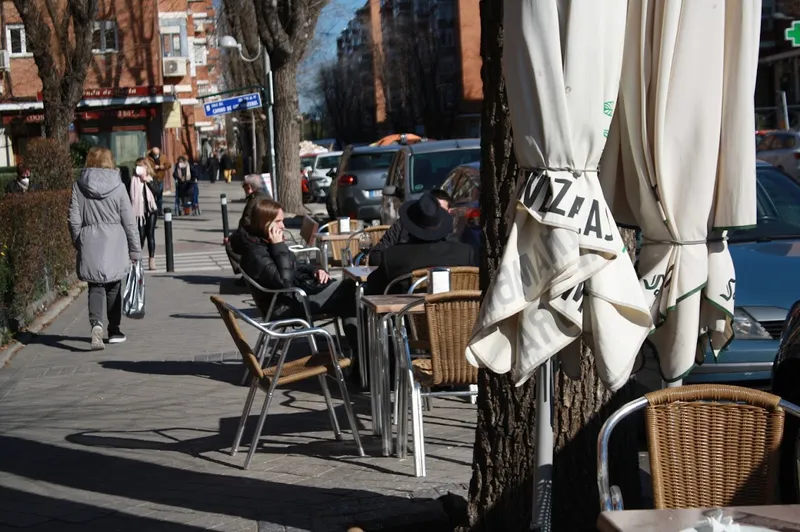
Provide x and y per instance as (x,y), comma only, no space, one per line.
(428,226)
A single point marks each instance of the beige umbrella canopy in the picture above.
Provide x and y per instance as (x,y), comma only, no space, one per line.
(680,163)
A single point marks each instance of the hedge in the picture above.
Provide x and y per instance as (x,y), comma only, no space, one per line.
(36,252)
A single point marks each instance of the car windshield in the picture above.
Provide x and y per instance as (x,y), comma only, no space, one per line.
(370,161)
(331,161)
(306,161)
(777,208)
(428,170)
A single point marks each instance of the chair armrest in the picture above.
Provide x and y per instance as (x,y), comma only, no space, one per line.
(397,280)
(293,290)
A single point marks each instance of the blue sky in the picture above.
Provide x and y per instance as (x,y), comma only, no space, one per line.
(332,21)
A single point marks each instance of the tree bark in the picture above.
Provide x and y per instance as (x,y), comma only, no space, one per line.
(287,137)
(501,490)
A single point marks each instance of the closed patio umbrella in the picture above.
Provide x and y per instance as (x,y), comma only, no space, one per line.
(680,163)
(565,271)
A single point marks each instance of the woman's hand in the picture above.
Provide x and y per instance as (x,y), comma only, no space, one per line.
(322,276)
(275,234)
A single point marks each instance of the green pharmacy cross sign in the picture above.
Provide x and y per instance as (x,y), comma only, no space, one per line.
(792,33)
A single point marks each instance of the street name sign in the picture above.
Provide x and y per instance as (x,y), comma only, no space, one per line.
(230,105)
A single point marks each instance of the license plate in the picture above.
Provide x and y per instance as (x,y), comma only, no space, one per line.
(375,193)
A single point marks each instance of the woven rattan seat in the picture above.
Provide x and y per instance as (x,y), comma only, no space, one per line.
(304,368)
(710,445)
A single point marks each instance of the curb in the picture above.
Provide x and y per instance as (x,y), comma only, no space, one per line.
(41,321)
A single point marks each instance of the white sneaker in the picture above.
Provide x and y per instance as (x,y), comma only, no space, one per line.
(97,338)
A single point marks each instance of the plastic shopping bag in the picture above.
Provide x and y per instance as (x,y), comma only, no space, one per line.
(133,297)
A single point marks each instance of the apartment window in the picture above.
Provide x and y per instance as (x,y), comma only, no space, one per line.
(104,37)
(200,54)
(15,40)
(174,42)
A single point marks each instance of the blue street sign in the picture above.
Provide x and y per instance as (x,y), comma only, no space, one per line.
(229,105)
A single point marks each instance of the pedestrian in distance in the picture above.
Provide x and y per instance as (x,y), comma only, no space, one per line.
(22,183)
(226,165)
(103,228)
(143,191)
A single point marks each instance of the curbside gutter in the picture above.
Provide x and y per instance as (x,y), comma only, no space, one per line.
(40,322)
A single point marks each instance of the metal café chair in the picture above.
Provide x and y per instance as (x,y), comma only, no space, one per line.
(337,247)
(262,344)
(308,232)
(320,365)
(710,445)
(451,317)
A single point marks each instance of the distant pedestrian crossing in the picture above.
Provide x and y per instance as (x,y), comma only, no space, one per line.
(199,261)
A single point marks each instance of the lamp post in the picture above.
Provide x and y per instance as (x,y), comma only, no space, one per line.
(229,42)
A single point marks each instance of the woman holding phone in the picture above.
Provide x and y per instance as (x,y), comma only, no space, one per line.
(267,260)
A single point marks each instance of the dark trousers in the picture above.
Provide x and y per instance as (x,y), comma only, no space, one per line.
(112,293)
(147,231)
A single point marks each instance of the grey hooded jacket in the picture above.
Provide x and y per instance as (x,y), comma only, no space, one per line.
(102,226)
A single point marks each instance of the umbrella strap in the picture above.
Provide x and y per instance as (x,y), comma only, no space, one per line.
(649,242)
(577,172)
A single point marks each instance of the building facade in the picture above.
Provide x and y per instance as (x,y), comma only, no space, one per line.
(152,61)
(421,64)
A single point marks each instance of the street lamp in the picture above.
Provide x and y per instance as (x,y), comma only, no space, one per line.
(229,42)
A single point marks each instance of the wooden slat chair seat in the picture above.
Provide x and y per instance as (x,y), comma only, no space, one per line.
(336,246)
(317,364)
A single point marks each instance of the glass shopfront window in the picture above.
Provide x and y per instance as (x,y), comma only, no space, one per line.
(127,146)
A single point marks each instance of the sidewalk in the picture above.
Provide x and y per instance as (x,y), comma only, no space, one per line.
(136,437)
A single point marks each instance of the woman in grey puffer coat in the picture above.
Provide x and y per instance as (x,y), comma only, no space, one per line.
(104,232)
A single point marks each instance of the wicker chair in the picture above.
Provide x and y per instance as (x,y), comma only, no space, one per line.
(710,445)
(370,235)
(317,364)
(336,247)
(450,317)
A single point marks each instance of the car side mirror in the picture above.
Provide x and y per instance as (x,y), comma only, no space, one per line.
(390,190)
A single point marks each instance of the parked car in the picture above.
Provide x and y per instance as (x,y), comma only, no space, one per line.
(358,185)
(321,165)
(766,259)
(422,167)
(781,149)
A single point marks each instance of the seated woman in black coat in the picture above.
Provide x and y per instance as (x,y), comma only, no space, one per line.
(266,259)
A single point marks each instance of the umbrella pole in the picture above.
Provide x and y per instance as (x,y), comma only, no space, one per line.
(543,476)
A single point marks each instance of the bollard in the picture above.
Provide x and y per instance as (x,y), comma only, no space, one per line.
(168,239)
(223,201)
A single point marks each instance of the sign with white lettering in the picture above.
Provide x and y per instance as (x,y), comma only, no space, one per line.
(230,105)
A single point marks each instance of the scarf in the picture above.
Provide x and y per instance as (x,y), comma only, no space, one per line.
(185,174)
(138,198)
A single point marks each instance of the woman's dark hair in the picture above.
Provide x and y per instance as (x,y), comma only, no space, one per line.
(264,212)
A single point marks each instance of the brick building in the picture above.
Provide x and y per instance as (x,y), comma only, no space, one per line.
(152,61)
(386,36)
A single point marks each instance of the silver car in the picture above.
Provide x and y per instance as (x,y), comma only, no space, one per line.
(781,149)
(356,192)
(319,179)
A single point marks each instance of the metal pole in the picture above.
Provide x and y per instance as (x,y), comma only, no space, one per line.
(223,201)
(785,110)
(256,166)
(271,124)
(543,476)
(168,239)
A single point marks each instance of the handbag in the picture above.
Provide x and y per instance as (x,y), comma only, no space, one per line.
(133,297)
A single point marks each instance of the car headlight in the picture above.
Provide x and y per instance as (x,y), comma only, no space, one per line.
(745,327)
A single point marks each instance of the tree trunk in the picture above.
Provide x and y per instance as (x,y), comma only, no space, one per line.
(57,119)
(287,137)
(503,463)
(501,491)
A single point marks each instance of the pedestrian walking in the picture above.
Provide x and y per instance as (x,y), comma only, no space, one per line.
(212,166)
(183,178)
(103,229)
(163,178)
(143,191)
(226,165)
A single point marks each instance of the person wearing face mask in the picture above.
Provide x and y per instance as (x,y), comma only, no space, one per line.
(183,184)
(161,174)
(143,193)
(22,183)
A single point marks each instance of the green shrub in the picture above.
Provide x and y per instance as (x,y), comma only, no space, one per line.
(50,163)
(78,151)
(38,254)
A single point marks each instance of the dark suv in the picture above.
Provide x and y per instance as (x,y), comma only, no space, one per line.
(422,167)
(358,185)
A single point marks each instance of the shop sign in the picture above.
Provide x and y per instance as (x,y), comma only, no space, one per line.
(118,92)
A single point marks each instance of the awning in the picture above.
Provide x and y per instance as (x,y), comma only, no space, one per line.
(93,102)
(565,272)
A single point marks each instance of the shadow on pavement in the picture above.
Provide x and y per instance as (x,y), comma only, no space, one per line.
(58,341)
(229,494)
(218,371)
(197,279)
(39,513)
